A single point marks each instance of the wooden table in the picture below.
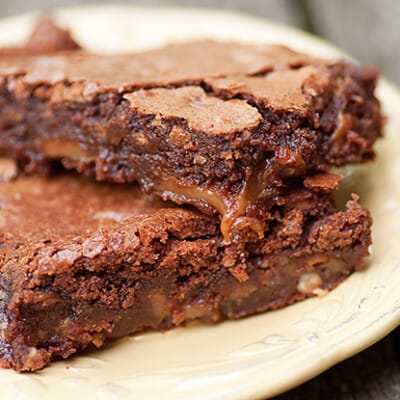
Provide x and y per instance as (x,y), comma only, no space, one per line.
(373,374)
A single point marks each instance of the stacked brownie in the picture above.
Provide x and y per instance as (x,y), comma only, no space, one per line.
(231,146)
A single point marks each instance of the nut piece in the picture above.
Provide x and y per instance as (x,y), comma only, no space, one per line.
(179,137)
(8,169)
(63,148)
(199,160)
(310,283)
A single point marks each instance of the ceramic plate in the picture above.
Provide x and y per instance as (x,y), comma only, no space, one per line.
(259,356)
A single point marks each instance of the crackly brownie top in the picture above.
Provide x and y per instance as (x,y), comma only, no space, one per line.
(53,220)
(169,65)
(212,72)
(218,66)
(202,112)
(34,209)
(260,75)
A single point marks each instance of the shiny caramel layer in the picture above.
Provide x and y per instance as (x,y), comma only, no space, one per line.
(59,148)
(231,208)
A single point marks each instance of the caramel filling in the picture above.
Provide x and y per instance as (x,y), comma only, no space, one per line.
(55,148)
(343,126)
(187,193)
(190,193)
(232,211)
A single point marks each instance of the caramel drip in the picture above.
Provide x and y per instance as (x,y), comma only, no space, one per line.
(343,124)
(55,148)
(191,194)
(186,193)
(254,188)
(233,212)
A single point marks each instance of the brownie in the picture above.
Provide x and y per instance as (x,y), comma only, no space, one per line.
(46,37)
(84,262)
(225,127)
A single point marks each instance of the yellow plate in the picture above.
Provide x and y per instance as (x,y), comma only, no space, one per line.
(259,356)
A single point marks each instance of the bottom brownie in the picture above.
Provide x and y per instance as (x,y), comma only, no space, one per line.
(82,262)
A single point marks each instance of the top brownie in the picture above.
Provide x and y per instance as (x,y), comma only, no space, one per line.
(221,126)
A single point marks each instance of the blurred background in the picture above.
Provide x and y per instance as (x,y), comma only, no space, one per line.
(367,29)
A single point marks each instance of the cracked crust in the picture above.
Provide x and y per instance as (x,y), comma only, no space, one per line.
(248,117)
(83,262)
